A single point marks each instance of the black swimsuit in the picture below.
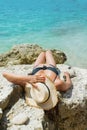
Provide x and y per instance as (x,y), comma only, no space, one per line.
(51,67)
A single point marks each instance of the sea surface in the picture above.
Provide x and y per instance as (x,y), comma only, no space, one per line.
(58,24)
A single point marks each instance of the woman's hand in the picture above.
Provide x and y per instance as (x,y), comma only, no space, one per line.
(36,78)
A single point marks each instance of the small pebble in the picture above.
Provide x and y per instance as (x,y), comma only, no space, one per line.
(20,119)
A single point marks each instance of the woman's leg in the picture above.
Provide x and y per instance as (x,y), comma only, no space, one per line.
(50,58)
(40,59)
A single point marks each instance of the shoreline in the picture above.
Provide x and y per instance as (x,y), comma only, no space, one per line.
(27,54)
(68,61)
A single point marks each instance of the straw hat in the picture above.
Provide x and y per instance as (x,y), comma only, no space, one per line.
(44,96)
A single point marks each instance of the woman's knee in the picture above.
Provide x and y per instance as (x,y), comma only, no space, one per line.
(42,55)
(48,52)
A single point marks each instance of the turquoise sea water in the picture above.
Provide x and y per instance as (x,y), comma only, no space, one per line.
(59,24)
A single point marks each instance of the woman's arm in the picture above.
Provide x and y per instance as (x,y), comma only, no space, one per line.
(21,80)
(63,85)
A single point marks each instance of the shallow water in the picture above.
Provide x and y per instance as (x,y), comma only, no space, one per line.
(60,24)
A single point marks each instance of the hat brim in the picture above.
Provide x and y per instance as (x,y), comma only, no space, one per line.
(50,103)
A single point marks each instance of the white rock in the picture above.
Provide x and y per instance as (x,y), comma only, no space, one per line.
(72,108)
(20,119)
(1,113)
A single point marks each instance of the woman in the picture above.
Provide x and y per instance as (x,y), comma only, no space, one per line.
(44,66)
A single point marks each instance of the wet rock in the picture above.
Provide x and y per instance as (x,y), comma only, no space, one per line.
(27,54)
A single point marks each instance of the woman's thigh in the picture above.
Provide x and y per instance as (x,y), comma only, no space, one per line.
(50,58)
(40,59)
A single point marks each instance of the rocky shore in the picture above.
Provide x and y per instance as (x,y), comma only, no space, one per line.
(69,114)
(27,54)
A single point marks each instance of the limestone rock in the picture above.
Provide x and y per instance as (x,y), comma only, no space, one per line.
(27,54)
(5,92)
(35,116)
(69,114)
(20,119)
(1,113)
